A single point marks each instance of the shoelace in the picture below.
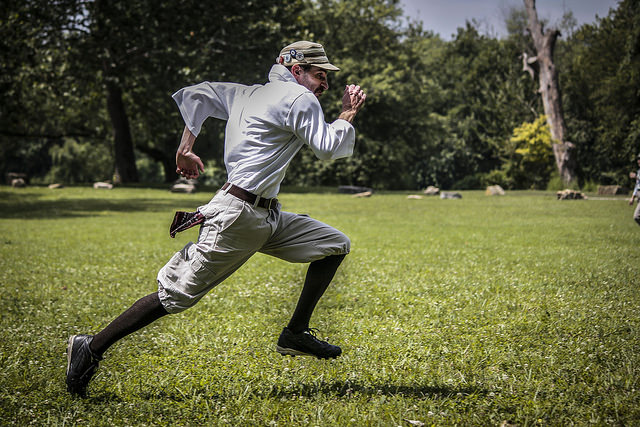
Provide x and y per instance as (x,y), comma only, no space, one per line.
(313,332)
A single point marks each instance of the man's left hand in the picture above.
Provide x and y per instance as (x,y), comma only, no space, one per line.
(352,101)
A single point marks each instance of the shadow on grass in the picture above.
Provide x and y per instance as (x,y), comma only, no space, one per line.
(17,205)
(348,388)
(34,207)
(337,388)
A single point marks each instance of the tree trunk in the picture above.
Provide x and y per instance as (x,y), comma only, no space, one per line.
(126,170)
(563,151)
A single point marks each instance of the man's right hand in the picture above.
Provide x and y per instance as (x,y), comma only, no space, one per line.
(189,165)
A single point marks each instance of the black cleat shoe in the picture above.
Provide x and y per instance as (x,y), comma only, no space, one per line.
(81,364)
(305,343)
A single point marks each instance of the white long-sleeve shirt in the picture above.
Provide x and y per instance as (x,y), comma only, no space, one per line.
(266,126)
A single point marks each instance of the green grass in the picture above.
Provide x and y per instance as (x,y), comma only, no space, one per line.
(477,311)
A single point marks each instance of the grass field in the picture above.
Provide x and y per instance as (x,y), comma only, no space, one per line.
(515,310)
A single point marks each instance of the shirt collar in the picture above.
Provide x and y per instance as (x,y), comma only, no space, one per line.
(280,73)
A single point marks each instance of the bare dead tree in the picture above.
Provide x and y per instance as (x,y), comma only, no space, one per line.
(549,88)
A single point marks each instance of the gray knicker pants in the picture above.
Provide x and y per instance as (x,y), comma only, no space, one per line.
(233,231)
(636,213)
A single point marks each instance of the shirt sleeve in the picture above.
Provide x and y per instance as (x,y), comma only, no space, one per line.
(327,140)
(199,102)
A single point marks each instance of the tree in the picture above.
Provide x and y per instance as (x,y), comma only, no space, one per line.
(362,37)
(81,82)
(91,69)
(601,85)
(531,156)
(549,88)
(487,99)
(42,101)
(437,112)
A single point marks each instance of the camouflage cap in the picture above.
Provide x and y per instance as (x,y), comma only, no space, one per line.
(305,52)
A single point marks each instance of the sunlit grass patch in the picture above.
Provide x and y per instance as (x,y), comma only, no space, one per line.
(476,311)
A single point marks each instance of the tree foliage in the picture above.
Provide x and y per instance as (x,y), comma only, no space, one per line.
(86,84)
(603,94)
(530,154)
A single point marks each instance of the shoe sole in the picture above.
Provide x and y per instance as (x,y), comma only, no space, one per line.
(69,351)
(286,351)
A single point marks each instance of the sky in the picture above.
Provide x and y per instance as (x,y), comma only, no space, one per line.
(445,16)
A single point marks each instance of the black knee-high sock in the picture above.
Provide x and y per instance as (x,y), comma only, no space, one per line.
(140,314)
(319,276)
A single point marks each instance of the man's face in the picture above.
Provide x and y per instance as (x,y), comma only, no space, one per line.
(316,79)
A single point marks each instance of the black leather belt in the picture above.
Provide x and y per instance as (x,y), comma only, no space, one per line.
(249,197)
